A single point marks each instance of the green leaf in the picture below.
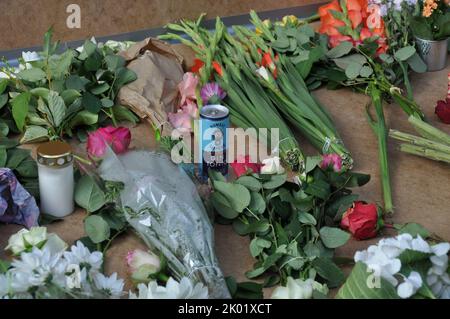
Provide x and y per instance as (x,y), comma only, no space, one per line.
(275,181)
(340,206)
(32,75)
(3,100)
(107,103)
(123,77)
(353,70)
(4,266)
(121,113)
(83,118)
(257,245)
(413,229)
(91,103)
(16,156)
(20,105)
(250,182)
(312,162)
(99,89)
(237,195)
(257,203)
(328,270)
(342,49)
(75,82)
(34,134)
(353,58)
(416,63)
(366,71)
(404,53)
(89,48)
(222,206)
(318,188)
(386,58)
(69,96)
(40,92)
(3,85)
(89,195)
(114,62)
(3,157)
(307,219)
(96,228)
(57,108)
(363,284)
(333,237)
(93,62)
(4,129)
(59,65)
(409,256)
(27,168)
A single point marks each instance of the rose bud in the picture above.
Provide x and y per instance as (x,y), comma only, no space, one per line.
(362,220)
(143,265)
(443,110)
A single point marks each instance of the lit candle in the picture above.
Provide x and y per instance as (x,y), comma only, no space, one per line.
(56,182)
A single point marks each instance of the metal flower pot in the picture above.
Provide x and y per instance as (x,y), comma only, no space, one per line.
(434,53)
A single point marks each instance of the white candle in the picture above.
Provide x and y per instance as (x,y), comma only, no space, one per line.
(56,181)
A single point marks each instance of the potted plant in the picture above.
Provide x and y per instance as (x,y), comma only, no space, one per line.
(431,28)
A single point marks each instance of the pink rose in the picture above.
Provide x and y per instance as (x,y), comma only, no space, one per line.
(118,138)
(332,160)
(187,87)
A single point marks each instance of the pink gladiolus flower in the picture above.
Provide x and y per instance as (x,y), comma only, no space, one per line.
(181,120)
(190,108)
(212,92)
(332,160)
(118,138)
(187,87)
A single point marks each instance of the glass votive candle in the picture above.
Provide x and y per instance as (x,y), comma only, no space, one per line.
(56,180)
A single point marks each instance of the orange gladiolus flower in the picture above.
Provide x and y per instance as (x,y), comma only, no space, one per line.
(217,67)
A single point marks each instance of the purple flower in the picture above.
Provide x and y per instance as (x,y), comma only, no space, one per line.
(212,93)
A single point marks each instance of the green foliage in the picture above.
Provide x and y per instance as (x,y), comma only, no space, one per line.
(291,227)
(64,93)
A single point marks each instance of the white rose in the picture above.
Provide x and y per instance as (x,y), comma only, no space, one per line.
(272,165)
(35,237)
(262,72)
(15,243)
(295,289)
(143,264)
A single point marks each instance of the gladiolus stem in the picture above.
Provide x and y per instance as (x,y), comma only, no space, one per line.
(379,127)
(419,141)
(425,152)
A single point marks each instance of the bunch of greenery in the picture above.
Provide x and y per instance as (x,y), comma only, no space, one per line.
(291,226)
(64,93)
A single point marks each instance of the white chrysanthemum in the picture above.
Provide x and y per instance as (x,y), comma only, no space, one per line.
(184,289)
(30,56)
(410,285)
(5,284)
(34,269)
(80,255)
(110,286)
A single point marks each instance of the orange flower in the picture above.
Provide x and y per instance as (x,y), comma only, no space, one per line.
(217,67)
(329,23)
(198,64)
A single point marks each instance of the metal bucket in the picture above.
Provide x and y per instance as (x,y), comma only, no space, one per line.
(434,53)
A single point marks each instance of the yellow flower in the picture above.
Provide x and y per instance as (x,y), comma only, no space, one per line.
(266,23)
(291,20)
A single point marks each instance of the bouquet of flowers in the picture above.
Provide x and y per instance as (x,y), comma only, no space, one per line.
(161,204)
(405,266)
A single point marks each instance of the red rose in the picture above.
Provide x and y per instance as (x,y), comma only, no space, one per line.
(361,220)
(244,165)
(443,110)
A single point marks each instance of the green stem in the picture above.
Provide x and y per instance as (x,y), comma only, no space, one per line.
(419,141)
(379,127)
(425,152)
(408,86)
(428,131)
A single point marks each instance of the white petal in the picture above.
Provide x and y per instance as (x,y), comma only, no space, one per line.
(437,288)
(440,261)
(441,249)
(280,293)
(432,279)
(421,245)
(416,280)
(445,279)
(361,256)
(405,290)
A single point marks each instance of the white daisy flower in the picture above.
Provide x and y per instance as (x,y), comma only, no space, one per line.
(111,286)
(184,289)
(80,255)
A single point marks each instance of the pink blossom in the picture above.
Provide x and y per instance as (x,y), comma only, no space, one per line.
(181,120)
(332,160)
(212,92)
(118,138)
(190,108)
(187,87)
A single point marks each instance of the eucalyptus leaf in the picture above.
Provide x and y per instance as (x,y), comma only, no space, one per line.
(333,237)
(329,271)
(257,203)
(237,195)
(96,228)
(353,70)
(275,181)
(404,53)
(250,182)
(340,50)
(88,194)
(222,206)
